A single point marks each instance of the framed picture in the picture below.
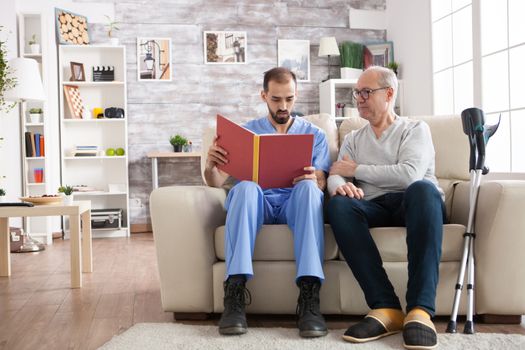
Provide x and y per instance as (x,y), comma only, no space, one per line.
(378,54)
(74,101)
(225,47)
(154,59)
(77,72)
(295,55)
(71,28)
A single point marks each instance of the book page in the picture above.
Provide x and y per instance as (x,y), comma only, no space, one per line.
(282,158)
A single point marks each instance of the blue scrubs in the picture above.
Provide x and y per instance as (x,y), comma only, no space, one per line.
(301,207)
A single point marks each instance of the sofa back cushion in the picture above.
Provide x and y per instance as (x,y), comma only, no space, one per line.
(327,123)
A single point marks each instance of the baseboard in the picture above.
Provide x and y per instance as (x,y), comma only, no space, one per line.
(498,319)
(140,228)
(190,316)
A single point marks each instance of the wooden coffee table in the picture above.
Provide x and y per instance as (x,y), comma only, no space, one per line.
(81,247)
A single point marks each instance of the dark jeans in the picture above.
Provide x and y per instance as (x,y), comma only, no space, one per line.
(421,209)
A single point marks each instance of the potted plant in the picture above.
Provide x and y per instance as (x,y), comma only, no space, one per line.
(67,191)
(178,142)
(33,45)
(35,114)
(394,66)
(2,195)
(351,60)
(110,27)
(7,82)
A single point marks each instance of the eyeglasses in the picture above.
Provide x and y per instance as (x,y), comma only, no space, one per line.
(365,93)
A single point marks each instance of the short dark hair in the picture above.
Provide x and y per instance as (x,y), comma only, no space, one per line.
(280,75)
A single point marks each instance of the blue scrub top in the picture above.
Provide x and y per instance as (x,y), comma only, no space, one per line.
(320,153)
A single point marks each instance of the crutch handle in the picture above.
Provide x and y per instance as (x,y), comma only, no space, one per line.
(480,146)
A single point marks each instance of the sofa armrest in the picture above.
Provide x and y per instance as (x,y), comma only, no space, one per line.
(184,219)
(499,246)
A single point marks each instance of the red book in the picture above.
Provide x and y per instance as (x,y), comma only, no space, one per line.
(271,160)
(42,149)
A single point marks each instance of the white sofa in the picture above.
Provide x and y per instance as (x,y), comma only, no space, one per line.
(188,230)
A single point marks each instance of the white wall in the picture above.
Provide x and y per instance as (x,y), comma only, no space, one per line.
(10,157)
(408,26)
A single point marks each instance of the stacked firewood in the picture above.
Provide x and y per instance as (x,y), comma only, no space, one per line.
(73,28)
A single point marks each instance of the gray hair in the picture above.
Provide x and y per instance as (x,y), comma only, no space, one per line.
(387,77)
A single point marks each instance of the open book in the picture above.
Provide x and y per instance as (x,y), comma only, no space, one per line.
(271,160)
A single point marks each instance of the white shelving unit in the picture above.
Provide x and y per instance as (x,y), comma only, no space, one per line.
(327,95)
(40,228)
(101,172)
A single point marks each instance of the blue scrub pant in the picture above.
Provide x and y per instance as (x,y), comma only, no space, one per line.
(421,209)
(248,209)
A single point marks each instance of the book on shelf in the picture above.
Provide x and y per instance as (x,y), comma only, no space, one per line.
(37,144)
(81,153)
(271,160)
(85,151)
(30,144)
(29,148)
(84,188)
(42,146)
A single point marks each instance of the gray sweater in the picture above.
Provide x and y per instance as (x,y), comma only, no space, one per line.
(402,155)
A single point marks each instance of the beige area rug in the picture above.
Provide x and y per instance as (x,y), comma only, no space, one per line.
(178,336)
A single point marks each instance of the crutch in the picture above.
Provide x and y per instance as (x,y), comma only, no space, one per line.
(478,134)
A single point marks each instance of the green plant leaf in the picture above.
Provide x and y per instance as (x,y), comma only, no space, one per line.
(7,81)
(351,55)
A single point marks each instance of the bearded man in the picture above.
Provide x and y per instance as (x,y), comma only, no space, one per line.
(300,206)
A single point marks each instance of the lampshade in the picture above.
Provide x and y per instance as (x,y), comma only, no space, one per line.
(28,82)
(328,47)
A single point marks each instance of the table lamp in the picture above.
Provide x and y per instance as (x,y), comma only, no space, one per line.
(28,82)
(328,47)
(28,88)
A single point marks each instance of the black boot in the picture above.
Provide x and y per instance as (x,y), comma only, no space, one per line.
(310,321)
(233,318)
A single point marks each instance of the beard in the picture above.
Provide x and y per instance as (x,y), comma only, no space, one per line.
(280,119)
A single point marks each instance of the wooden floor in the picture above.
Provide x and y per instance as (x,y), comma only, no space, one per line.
(38,310)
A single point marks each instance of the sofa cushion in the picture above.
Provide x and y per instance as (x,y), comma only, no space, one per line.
(275,242)
(348,125)
(391,242)
(451,146)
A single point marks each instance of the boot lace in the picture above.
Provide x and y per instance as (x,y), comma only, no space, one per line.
(308,298)
(237,296)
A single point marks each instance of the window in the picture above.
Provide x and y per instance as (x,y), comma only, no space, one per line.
(452,56)
(482,66)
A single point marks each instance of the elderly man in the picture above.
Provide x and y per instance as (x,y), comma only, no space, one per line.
(384,176)
(248,207)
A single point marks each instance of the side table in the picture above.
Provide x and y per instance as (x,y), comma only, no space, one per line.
(154,167)
(81,247)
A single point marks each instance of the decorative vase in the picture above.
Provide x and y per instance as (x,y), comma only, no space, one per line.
(350,73)
(35,49)
(34,117)
(113,41)
(1,199)
(177,148)
(68,199)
